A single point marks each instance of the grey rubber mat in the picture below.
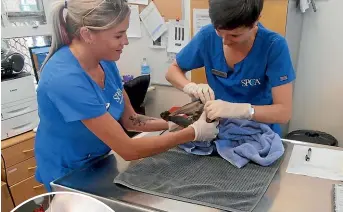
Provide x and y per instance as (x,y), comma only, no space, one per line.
(205,180)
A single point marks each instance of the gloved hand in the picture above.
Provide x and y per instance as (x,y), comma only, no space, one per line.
(221,109)
(199,91)
(205,131)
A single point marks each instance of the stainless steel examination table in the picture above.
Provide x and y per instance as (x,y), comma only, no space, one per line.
(286,193)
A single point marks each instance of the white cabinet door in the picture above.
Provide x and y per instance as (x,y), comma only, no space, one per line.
(20,124)
(17,89)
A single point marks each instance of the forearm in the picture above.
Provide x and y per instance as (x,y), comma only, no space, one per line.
(148,146)
(111,133)
(141,123)
(176,76)
(276,113)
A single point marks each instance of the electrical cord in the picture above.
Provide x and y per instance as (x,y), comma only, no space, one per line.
(8,187)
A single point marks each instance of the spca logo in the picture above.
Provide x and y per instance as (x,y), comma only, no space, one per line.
(118,96)
(250,82)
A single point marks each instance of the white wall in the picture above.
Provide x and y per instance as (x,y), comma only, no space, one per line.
(294,26)
(139,48)
(293,37)
(163,98)
(318,100)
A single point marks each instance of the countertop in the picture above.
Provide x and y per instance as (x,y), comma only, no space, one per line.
(287,192)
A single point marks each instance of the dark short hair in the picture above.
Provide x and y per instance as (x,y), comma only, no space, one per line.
(231,14)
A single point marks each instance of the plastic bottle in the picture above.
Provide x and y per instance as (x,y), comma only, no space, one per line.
(145,68)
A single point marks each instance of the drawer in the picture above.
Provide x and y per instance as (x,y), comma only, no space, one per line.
(20,124)
(6,201)
(21,171)
(26,189)
(19,152)
(19,109)
(17,89)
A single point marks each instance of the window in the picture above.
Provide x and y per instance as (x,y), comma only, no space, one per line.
(21,45)
(24,12)
(24,24)
(22,18)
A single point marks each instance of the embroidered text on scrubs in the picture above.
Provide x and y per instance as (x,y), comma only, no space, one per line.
(284,78)
(250,82)
(140,120)
(118,96)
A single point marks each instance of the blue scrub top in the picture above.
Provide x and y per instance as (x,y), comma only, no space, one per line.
(267,65)
(66,95)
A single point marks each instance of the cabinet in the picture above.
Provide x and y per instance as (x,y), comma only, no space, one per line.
(274,15)
(18,167)
(6,201)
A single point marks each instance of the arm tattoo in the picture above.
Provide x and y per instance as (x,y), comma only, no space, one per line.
(140,120)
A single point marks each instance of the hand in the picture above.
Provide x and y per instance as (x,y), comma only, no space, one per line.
(221,109)
(205,131)
(199,91)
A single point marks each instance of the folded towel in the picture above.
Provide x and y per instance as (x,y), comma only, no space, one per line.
(241,141)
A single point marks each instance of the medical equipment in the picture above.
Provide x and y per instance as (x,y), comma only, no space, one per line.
(12,63)
(18,105)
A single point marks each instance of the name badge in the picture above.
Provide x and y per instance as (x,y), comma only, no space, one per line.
(219,73)
(107,106)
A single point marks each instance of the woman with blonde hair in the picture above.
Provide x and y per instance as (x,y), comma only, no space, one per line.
(82,104)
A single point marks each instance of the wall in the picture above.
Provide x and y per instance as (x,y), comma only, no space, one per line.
(163,98)
(139,48)
(294,26)
(293,30)
(133,54)
(318,103)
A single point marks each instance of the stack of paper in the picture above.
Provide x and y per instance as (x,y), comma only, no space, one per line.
(134,30)
(153,21)
(161,42)
(323,163)
(201,18)
(338,197)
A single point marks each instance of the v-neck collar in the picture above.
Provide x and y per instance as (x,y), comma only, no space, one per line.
(105,75)
(101,63)
(238,65)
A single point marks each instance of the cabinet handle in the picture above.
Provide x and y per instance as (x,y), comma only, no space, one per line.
(22,110)
(22,126)
(39,186)
(29,150)
(30,168)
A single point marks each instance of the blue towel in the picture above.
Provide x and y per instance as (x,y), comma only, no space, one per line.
(241,141)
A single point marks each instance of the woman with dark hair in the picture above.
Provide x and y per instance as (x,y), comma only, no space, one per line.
(248,67)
